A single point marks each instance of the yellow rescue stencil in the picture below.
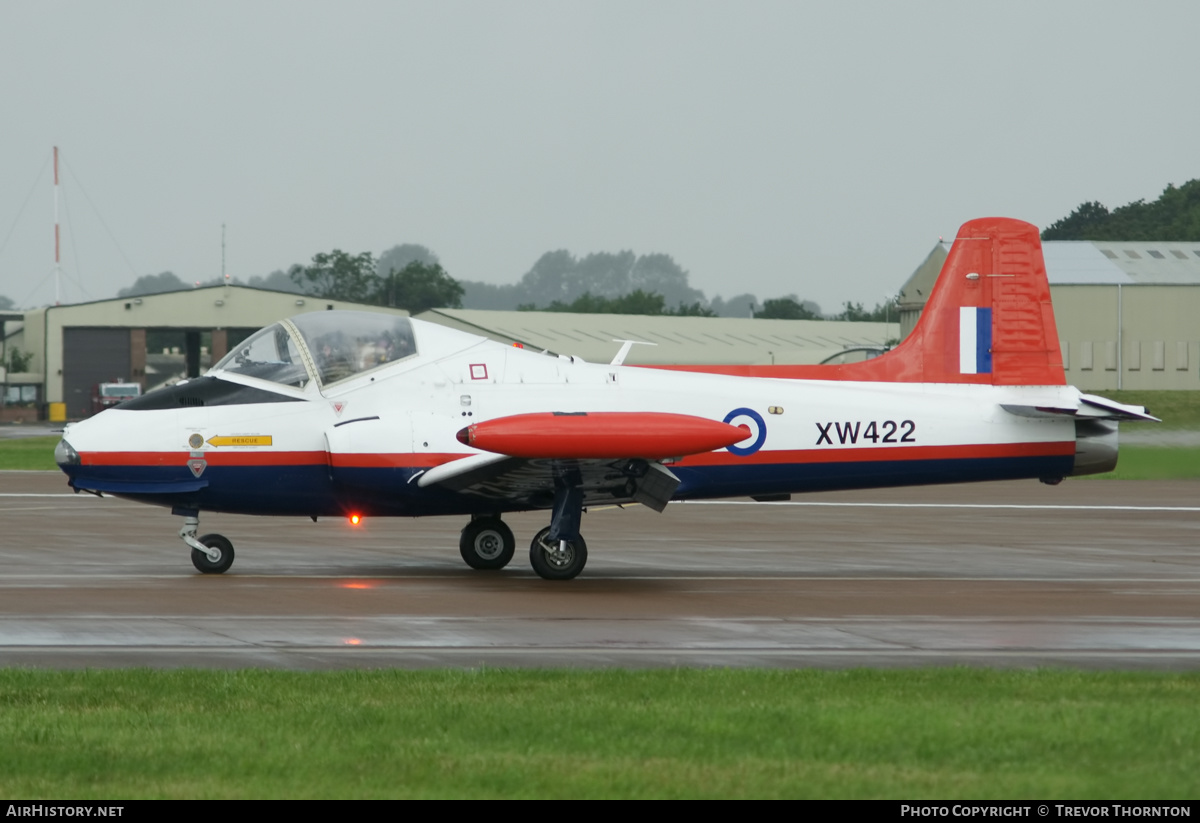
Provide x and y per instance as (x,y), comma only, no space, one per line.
(240,440)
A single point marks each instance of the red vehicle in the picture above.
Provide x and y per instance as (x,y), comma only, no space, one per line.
(110,394)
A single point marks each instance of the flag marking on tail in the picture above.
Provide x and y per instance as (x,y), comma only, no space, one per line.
(974,340)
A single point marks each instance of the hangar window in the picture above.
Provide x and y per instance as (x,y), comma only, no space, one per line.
(1110,254)
(1132,254)
(1157,255)
(1179,254)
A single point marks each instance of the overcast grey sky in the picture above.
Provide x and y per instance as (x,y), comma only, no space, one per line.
(772,147)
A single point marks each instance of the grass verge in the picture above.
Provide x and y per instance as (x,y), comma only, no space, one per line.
(28,453)
(1154,463)
(1176,409)
(938,733)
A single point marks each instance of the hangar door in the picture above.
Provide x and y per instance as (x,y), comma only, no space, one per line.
(92,356)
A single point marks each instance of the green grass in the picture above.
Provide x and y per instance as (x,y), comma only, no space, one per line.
(1154,463)
(941,733)
(28,453)
(1176,409)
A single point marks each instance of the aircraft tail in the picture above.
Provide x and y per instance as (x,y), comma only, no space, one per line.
(989,317)
(988,320)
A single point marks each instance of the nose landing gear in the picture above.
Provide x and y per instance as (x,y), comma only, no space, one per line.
(212,553)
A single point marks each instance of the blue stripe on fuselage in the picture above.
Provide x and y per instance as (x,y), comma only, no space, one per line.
(306,490)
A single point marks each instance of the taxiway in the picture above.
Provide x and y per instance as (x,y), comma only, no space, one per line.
(1091,573)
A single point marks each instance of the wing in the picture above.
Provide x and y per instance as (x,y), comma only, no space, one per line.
(532,482)
(608,457)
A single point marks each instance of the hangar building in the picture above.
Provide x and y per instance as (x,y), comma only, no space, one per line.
(1128,313)
(674,340)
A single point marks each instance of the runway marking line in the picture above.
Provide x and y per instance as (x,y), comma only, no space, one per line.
(765,577)
(1052,506)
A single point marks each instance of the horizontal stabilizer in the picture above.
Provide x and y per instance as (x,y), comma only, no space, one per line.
(1106,409)
(1090,407)
(601,435)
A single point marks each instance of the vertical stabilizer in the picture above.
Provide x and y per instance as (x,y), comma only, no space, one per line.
(988,320)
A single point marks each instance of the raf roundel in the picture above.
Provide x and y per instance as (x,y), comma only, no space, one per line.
(757,426)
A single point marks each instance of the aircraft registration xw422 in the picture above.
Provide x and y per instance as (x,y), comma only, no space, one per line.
(359,414)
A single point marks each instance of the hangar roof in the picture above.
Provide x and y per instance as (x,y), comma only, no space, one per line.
(677,340)
(1110,262)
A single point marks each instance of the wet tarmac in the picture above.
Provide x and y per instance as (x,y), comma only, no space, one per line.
(1086,574)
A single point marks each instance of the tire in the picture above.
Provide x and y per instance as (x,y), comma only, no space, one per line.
(201,560)
(550,564)
(487,544)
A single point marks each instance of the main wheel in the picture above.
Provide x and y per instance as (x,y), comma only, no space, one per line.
(208,566)
(551,562)
(487,543)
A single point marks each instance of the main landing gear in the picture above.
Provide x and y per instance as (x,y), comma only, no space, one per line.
(557,559)
(212,553)
(558,552)
(487,543)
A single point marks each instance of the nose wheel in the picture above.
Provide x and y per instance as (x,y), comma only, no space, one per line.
(204,562)
(212,553)
(557,559)
(487,543)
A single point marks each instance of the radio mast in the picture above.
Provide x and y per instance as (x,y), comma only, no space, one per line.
(57,257)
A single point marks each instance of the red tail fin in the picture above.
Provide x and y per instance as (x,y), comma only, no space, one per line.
(988,320)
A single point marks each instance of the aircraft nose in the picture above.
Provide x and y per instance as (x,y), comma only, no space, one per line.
(65,454)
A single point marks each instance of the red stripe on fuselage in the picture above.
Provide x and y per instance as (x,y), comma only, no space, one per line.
(268,458)
(867,454)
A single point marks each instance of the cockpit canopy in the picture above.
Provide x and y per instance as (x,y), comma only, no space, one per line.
(326,346)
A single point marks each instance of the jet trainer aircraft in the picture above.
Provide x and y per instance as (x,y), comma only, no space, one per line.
(358,414)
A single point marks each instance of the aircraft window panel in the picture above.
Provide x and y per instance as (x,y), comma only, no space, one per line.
(269,354)
(1179,254)
(343,344)
(1157,255)
(1110,254)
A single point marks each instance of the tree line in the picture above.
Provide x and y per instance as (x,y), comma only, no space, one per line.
(410,276)
(1174,216)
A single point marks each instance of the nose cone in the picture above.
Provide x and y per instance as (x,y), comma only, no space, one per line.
(65,454)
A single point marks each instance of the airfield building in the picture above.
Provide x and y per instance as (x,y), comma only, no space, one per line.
(1128,313)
